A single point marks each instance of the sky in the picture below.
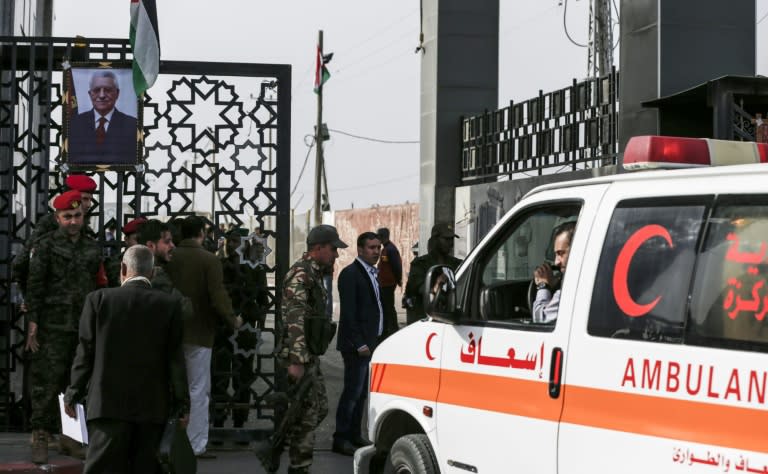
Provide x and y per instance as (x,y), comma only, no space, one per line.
(374,87)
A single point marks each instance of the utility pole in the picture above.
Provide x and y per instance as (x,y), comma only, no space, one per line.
(318,131)
(600,56)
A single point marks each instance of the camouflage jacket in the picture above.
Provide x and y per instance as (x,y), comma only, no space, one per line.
(303,294)
(61,273)
(416,277)
(161,281)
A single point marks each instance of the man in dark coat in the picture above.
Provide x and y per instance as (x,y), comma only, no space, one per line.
(197,273)
(390,276)
(130,367)
(361,323)
(103,135)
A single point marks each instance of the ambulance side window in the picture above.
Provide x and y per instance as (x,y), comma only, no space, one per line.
(506,270)
(729,303)
(644,274)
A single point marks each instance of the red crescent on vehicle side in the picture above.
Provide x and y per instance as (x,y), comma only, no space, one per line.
(620,289)
(429,341)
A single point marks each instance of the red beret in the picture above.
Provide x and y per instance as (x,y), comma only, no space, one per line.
(66,201)
(133,226)
(81,183)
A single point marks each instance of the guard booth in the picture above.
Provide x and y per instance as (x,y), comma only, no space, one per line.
(215,142)
(723,108)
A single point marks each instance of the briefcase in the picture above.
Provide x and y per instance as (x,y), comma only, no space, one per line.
(175,452)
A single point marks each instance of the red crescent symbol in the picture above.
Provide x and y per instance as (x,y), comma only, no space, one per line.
(620,290)
(429,341)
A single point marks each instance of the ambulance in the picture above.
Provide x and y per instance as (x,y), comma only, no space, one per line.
(656,362)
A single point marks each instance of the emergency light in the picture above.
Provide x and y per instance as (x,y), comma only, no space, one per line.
(657,152)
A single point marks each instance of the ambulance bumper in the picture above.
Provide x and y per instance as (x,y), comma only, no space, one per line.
(362,459)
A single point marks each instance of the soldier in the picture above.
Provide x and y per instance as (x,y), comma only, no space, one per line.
(246,283)
(303,301)
(440,249)
(78,182)
(64,267)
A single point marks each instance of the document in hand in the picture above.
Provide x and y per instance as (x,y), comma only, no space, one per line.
(74,428)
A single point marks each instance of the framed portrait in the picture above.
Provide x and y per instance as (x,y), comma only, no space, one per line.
(102,117)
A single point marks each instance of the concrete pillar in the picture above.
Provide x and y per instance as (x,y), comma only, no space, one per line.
(459,76)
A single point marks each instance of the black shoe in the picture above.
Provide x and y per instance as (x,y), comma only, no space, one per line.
(344,447)
(359,442)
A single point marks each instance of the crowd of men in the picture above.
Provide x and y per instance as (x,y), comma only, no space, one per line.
(89,330)
(136,335)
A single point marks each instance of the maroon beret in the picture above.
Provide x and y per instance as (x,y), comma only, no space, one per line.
(68,200)
(133,226)
(81,183)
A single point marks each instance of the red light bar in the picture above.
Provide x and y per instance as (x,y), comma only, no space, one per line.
(653,152)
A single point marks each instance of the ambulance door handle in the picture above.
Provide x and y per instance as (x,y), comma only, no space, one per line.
(555,372)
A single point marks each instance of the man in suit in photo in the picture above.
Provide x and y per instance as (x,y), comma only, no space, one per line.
(103,135)
(129,367)
(361,323)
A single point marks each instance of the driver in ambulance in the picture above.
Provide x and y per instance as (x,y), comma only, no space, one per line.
(547,301)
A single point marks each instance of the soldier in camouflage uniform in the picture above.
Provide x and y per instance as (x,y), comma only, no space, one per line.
(440,250)
(48,223)
(64,267)
(304,297)
(246,284)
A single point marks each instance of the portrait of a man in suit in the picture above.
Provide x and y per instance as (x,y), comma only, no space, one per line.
(102,135)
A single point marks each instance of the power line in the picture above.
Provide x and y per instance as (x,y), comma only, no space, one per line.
(762,18)
(372,54)
(303,167)
(378,140)
(377,34)
(386,181)
(565,26)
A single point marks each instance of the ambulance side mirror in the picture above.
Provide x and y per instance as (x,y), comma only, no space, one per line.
(439,294)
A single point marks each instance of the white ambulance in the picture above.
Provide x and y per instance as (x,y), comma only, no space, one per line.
(656,363)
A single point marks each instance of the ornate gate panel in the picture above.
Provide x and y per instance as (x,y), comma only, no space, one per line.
(216,144)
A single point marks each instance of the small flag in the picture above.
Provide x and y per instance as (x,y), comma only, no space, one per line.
(145,42)
(321,72)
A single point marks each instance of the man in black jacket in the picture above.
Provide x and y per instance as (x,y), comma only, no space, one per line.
(130,367)
(361,323)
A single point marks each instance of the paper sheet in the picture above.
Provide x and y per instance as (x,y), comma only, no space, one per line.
(74,428)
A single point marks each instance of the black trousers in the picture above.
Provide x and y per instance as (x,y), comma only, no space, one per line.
(390,313)
(349,414)
(117,447)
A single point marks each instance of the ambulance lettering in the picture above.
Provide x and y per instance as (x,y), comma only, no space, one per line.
(695,379)
(734,303)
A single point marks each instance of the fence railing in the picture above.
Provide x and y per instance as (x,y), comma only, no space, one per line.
(568,129)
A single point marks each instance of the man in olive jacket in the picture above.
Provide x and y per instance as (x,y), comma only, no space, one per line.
(198,275)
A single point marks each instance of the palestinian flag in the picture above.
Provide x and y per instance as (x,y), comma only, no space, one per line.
(145,42)
(321,72)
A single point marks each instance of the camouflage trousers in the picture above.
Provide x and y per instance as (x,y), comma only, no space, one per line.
(301,437)
(49,371)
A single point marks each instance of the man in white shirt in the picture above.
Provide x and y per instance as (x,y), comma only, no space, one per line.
(547,302)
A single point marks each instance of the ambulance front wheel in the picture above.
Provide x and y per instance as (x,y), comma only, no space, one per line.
(411,454)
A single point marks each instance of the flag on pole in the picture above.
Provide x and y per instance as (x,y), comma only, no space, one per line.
(145,42)
(321,72)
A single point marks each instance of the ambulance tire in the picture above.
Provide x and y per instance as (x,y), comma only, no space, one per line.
(411,454)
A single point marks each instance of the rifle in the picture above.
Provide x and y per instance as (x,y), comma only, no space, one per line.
(269,451)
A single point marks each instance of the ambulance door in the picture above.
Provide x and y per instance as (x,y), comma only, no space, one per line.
(500,399)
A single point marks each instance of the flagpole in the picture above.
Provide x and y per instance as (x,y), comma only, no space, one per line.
(319,137)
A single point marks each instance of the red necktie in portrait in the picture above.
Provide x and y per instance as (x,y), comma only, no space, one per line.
(101,132)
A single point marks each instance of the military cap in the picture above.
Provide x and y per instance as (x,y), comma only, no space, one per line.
(81,182)
(68,200)
(383,233)
(133,226)
(443,229)
(325,234)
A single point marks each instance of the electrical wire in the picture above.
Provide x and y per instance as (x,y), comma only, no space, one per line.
(303,167)
(565,26)
(345,52)
(762,18)
(363,186)
(355,62)
(377,140)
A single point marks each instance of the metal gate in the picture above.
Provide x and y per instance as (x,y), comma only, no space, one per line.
(216,144)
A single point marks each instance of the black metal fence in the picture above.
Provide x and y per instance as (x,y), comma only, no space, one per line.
(568,129)
(216,143)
